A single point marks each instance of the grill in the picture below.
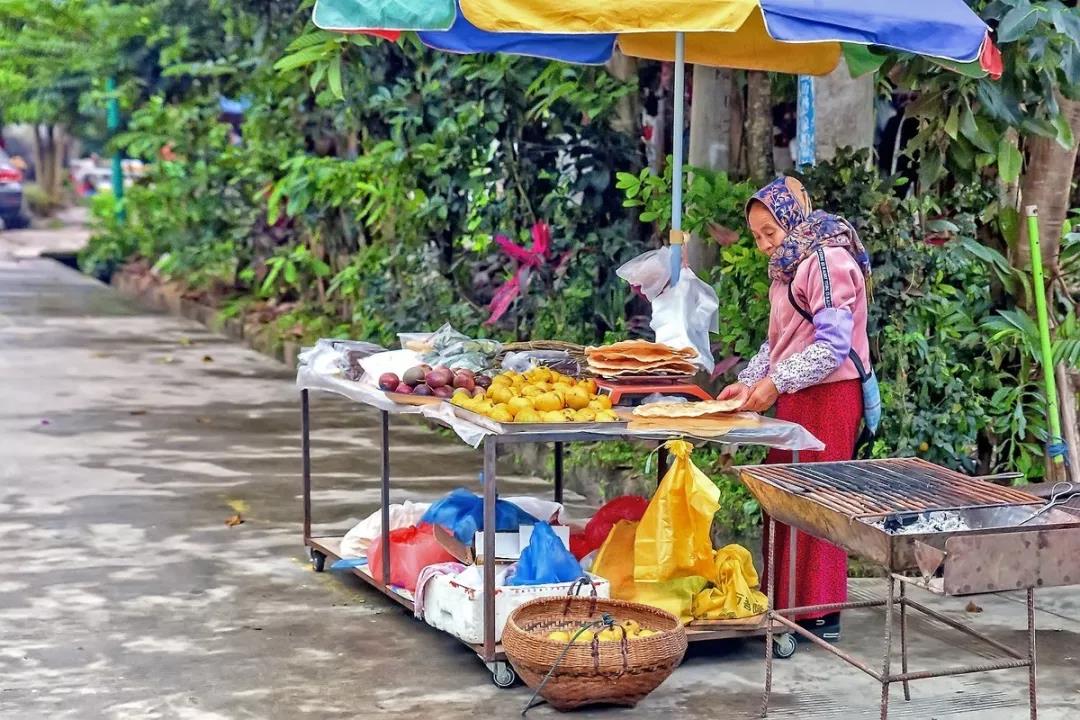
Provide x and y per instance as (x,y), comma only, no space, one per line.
(932,528)
(902,513)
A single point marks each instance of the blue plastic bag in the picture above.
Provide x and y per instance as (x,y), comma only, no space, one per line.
(462,513)
(545,560)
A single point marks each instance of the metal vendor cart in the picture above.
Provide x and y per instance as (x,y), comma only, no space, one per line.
(781,643)
(931,528)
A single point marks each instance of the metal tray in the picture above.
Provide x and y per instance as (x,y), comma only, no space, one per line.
(512,428)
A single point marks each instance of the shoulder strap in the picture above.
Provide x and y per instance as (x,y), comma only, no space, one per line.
(855,359)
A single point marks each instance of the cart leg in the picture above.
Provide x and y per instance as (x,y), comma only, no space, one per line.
(385,496)
(305,460)
(793,552)
(903,638)
(770,590)
(886,670)
(558,472)
(1032,699)
(661,463)
(490,480)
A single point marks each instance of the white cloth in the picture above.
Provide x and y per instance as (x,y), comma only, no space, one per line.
(446,568)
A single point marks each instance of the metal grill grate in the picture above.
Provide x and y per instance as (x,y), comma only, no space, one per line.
(872,487)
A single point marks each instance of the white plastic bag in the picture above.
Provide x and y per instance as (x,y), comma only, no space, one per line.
(650,271)
(684,315)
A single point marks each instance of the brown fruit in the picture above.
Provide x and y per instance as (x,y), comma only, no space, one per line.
(483,381)
(415,375)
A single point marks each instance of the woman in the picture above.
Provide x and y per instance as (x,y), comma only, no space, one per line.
(810,365)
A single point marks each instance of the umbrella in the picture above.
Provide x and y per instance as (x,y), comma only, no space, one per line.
(793,36)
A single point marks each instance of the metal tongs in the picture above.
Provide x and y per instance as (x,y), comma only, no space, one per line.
(1059,494)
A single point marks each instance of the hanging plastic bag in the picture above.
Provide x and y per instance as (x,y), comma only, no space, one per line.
(615,563)
(627,507)
(735,593)
(545,560)
(462,513)
(411,550)
(650,272)
(673,538)
(684,315)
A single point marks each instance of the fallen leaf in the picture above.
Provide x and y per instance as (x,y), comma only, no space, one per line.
(185,341)
(238,506)
(136,412)
(207,358)
(203,420)
(234,520)
(973,608)
(167,359)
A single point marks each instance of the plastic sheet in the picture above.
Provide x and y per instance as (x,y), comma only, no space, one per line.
(545,560)
(357,541)
(411,550)
(736,593)
(684,315)
(627,507)
(650,271)
(319,370)
(462,513)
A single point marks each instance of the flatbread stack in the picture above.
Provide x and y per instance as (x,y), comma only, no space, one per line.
(710,418)
(636,358)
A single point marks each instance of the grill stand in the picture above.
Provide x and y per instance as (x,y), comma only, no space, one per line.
(886,677)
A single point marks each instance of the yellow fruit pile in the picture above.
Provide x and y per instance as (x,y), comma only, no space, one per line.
(539,395)
(632,628)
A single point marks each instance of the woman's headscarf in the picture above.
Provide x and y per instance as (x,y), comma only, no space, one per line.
(807,229)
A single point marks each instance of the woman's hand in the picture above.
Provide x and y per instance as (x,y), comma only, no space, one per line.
(761,397)
(735,391)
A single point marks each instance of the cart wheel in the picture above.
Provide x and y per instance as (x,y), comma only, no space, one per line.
(318,561)
(784,646)
(503,675)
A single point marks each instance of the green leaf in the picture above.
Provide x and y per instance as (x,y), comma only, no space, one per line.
(1017,23)
(952,123)
(1009,160)
(1009,223)
(970,128)
(333,78)
(301,58)
(290,272)
(861,60)
(1064,131)
(317,76)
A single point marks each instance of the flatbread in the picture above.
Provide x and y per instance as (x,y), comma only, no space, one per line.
(701,426)
(639,350)
(636,365)
(687,409)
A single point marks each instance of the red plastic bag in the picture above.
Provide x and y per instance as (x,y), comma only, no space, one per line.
(411,550)
(627,507)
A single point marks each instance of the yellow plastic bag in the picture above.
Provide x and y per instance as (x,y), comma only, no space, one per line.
(735,594)
(673,536)
(615,563)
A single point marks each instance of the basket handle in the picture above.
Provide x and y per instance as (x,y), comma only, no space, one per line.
(624,648)
(574,591)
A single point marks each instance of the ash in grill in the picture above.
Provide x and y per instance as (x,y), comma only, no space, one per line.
(927,522)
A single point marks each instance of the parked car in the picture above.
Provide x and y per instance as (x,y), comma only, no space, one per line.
(13,211)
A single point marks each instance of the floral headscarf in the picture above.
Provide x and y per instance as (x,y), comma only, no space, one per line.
(807,229)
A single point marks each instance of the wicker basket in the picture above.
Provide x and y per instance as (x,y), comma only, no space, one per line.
(614,672)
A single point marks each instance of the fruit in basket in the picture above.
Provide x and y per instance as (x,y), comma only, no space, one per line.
(559,636)
(438,377)
(528,416)
(584,415)
(415,375)
(464,379)
(548,401)
(606,416)
(443,391)
(461,396)
(577,398)
(388,382)
(404,389)
(553,416)
(645,633)
(586,636)
(422,390)
(501,414)
(500,394)
(601,402)
(483,381)
(517,404)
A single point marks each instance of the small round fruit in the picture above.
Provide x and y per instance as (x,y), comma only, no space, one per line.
(517,404)
(479,392)
(500,394)
(415,375)
(559,636)
(577,398)
(547,402)
(601,402)
(460,397)
(463,380)
(586,636)
(443,391)
(584,415)
(439,377)
(606,416)
(528,416)
(531,391)
(553,416)
(404,389)
(482,381)
(501,414)
(589,385)
(484,407)
(423,390)
(389,381)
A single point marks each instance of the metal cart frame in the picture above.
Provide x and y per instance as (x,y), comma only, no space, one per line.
(779,641)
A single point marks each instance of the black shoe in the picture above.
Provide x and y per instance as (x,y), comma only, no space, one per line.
(826,628)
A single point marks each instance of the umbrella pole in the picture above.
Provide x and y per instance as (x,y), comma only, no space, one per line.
(1055,447)
(807,128)
(677,238)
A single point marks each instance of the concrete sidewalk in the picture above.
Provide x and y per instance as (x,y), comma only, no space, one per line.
(128,439)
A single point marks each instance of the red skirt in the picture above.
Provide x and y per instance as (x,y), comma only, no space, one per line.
(831,412)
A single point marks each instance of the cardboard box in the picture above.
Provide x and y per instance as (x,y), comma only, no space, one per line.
(508,546)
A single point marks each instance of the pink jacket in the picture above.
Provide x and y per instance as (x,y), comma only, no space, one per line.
(830,287)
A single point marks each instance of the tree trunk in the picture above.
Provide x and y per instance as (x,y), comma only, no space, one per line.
(710,142)
(1069,430)
(1047,182)
(49,160)
(759,127)
(628,110)
(844,110)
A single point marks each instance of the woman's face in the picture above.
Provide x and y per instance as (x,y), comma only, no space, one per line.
(767,234)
